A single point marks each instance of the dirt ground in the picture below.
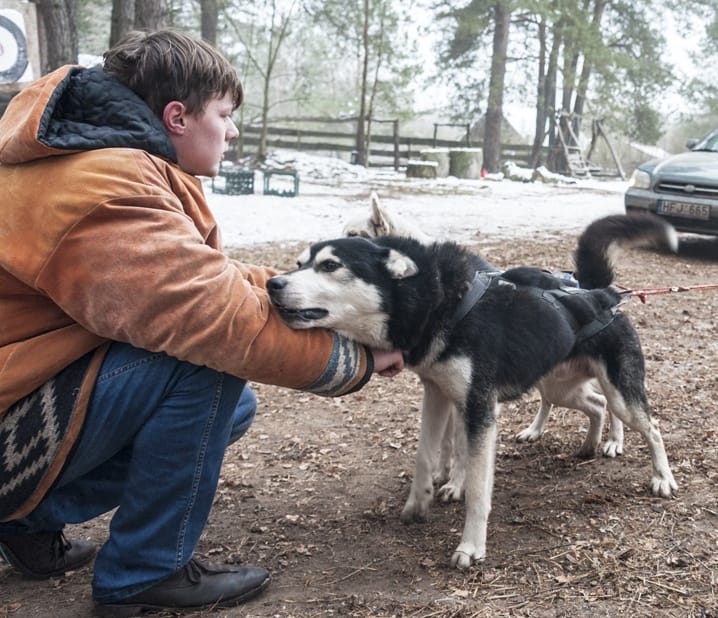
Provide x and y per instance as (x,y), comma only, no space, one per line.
(314,491)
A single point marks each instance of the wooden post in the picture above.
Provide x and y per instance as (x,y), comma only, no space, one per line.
(616,160)
(436,128)
(395,123)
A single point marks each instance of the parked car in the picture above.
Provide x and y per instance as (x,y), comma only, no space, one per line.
(682,188)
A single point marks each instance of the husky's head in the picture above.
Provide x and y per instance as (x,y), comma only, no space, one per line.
(342,284)
(383,223)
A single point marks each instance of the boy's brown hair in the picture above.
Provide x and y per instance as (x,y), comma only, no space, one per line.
(169,65)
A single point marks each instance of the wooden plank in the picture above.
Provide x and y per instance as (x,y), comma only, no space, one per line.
(395,148)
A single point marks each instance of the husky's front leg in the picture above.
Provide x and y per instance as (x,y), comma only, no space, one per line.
(434,416)
(479,487)
(453,489)
(442,473)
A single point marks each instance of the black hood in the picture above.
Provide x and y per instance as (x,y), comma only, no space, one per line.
(91,109)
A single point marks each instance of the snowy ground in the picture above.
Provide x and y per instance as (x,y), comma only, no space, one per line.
(331,192)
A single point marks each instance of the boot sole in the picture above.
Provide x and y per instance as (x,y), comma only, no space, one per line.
(120,610)
(13,561)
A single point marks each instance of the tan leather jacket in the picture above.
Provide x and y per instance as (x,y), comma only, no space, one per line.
(104,238)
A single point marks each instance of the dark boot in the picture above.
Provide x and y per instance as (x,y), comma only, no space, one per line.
(45,554)
(194,586)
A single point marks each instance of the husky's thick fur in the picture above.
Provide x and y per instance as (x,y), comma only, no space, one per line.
(558,388)
(476,339)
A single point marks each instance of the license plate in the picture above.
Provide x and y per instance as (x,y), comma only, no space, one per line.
(682,209)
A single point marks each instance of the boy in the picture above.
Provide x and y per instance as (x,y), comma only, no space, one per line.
(127,334)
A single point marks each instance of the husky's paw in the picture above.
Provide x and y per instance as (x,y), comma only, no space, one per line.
(587,450)
(663,486)
(466,554)
(451,492)
(414,511)
(528,435)
(441,475)
(612,448)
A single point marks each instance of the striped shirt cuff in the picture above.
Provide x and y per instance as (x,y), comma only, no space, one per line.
(348,370)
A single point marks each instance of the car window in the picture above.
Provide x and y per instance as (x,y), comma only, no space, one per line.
(709,142)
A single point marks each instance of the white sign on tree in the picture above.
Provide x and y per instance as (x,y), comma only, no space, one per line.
(18,43)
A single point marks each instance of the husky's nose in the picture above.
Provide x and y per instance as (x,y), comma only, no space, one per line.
(276,283)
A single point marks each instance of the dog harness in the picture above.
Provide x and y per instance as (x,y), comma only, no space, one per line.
(483,280)
(477,288)
(581,332)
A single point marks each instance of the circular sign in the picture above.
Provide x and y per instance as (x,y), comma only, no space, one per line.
(13,51)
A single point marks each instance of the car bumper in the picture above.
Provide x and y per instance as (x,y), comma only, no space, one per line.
(645,200)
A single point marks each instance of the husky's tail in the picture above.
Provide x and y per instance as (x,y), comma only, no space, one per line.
(699,247)
(599,244)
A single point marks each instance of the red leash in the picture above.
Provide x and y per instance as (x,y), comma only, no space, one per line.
(642,294)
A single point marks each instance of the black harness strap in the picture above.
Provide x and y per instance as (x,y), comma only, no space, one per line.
(600,321)
(483,279)
(477,288)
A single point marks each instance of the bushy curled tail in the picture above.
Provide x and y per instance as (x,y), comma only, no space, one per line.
(599,244)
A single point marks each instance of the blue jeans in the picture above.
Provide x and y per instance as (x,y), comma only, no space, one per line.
(152,445)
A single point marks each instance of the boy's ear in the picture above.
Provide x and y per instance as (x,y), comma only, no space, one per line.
(173,117)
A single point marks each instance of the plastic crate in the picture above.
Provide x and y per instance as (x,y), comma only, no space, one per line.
(279,186)
(234,182)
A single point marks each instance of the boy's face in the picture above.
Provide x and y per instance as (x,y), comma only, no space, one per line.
(201,139)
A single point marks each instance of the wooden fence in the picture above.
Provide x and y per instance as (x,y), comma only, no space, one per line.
(385,149)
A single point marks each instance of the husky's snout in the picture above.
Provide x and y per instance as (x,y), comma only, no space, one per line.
(293,315)
(276,283)
(276,286)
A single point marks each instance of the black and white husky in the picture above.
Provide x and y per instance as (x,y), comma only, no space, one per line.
(565,386)
(557,389)
(476,338)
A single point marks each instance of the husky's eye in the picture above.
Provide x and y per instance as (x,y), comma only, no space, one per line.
(328,266)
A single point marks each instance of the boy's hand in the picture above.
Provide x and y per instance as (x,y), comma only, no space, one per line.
(387,364)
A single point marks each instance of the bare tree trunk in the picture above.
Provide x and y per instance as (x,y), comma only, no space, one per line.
(57,31)
(494,106)
(262,148)
(375,81)
(572,53)
(150,15)
(540,130)
(279,29)
(582,87)
(569,75)
(122,19)
(209,17)
(551,88)
(361,145)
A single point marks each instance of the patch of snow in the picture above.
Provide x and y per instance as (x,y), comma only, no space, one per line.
(332,191)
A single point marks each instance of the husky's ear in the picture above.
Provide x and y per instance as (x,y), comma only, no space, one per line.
(379,220)
(303,258)
(375,208)
(400,266)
